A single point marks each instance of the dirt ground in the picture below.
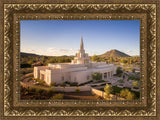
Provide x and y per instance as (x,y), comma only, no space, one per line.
(86,95)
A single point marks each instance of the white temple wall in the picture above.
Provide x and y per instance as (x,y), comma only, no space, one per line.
(42,74)
(48,77)
(60,77)
(36,72)
(80,77)
(37,69)
(57,78)
(74,69)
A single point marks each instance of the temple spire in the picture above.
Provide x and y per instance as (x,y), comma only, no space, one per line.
(81,45)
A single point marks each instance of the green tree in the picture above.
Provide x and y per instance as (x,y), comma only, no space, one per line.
(97,76)
(97,58)
(127,94)
(130,96)
(108,89)
(119,70)
(30,61)
(44,59)
(94,58)
(135,83)
(51,60)
(124,93)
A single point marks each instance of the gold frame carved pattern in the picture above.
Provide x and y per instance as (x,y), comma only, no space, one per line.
(13,13)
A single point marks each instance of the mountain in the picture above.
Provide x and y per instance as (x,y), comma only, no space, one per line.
(23,54)
(114,53)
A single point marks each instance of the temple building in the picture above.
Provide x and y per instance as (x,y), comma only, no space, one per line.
(80,69)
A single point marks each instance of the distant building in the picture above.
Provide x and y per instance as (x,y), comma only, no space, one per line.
(80,70)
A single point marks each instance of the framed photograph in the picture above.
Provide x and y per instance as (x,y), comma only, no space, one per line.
(80,59)
(51,68)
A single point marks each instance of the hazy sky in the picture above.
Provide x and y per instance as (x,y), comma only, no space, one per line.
(62,37)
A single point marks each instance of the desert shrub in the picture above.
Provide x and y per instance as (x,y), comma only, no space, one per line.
(39,90)
(31,89)
(67,82)
(124,92)
(108,89)
(58,96)
(73,84)
(53,84)
(133,78)
(127,94)
(77,89)
(130,96)
(41,82)
(50,91)
(63,84)
(97,76)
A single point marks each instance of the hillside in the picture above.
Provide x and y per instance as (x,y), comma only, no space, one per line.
(114,53)
(23,54)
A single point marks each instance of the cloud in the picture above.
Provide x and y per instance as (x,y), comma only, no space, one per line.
(132,52)
(60,51)
(28,50)
(128,51)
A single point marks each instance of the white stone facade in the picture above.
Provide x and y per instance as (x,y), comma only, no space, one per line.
(80,70)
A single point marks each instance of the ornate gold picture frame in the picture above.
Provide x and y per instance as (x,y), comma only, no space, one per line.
(12,107)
